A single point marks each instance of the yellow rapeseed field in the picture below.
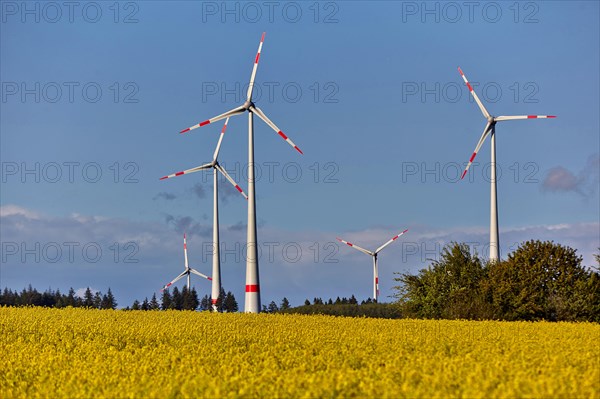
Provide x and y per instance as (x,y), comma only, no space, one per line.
(77,353)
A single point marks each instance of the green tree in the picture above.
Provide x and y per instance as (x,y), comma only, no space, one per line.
(190,299)
(285,304)
(448,288)
(97,300)
(272,307)
(88,298)
(108,300)
(205,303)
(136,305)
(166,300)
(72,299)
(154,305)
(230,304)
(177,302)
(543,280)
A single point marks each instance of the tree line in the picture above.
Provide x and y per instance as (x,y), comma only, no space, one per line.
(347,307)
(538,281)
(55,299)
(185,299)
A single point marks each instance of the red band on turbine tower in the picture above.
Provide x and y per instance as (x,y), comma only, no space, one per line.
(252,288)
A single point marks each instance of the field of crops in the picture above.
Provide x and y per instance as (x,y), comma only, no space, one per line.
(79,353)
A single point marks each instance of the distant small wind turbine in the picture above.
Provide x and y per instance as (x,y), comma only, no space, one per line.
(490,128)
(374,255)
(214,165)
(188,270)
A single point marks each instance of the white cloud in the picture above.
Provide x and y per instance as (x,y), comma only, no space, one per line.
(8,210)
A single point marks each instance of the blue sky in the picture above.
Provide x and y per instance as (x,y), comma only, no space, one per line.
(93,99)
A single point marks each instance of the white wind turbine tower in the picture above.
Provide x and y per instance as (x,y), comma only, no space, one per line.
(252,299)
(490,129)
(374,254)
(216,167)
(188,270)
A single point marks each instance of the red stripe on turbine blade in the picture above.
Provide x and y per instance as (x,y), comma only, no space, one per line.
(252,288)
(299,150)
(185,130)
(282,135)
(238,188)
(469,86)
(257,57)
(395,237)
(350,245)
(463,175)
(376,280)
(204,123)
(473,157)
(551,116)
(168,285)
(164,177)
(179,174)
(460,70)
(404,231)
(213,301)
(531,116)
(209,278)
(262,38)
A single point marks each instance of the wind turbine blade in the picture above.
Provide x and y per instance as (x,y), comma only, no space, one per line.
(254,68)
(216,153)
(174,280)
(235,111)
(264,117)
(185,252)
(365,251)
(185,172)
(389,242)
(200,274)
(515,117)
(224,173)
(481,107)
(479,144)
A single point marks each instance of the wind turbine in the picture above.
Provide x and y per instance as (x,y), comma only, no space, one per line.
(216,167)
(490,129)
(188,270)
(252,299)
(374,255)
